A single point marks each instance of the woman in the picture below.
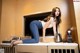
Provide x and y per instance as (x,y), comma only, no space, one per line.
(53,20)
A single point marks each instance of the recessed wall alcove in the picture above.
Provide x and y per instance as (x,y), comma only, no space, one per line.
(37,16)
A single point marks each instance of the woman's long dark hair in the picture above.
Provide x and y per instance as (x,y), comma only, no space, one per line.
(58,18)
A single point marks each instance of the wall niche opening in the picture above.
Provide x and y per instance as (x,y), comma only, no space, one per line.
(37,16)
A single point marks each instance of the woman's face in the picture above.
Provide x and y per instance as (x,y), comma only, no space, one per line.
(57,12)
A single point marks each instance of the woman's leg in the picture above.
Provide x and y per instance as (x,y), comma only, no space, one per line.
(34,26)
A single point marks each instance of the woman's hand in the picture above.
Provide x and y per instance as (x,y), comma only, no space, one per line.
(44,40)
(55,37)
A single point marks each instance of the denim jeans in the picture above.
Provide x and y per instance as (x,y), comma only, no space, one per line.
(34,26)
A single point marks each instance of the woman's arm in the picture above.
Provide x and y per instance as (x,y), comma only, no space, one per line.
(54,28)
(45,27)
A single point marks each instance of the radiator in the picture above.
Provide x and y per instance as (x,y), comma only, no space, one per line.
(63,48)
(62,51)
(8,48)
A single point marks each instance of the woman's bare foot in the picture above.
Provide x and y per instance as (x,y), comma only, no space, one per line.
(17,42)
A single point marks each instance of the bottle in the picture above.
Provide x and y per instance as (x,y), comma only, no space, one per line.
(59,39)
(69,36)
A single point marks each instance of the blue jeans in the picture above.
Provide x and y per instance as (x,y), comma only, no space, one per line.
(34,26)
